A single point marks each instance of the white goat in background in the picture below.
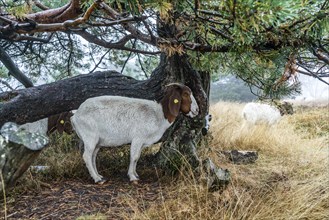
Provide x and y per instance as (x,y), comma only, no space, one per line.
(260,113)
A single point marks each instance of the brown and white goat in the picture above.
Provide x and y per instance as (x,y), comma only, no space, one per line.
(110,121)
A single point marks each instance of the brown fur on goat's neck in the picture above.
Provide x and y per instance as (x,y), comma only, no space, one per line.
(172,101)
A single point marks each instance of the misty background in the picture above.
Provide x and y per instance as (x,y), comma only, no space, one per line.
(231,88)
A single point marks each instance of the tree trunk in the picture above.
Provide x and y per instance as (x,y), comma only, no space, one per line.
(181,139)
(18,150)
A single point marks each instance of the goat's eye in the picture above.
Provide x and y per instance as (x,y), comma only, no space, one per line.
(185,95)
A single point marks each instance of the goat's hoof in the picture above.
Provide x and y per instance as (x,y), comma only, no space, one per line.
(102,181)
(134,182)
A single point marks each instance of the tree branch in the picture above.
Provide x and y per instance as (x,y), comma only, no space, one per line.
(100,61)
(212,13)
(52,26)
(225,48)
(125,63)
(57,15)
(6,84)
(225,36)
(321,55)
(46,21)
(32,38)
(116,22)
(13,69)
(118,45)
(130,28)
(40,5)
(142,67)
(310,73)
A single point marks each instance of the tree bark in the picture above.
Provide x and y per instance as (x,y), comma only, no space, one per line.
(18,150)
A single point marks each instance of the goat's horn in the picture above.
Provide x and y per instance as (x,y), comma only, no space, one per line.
(174,84)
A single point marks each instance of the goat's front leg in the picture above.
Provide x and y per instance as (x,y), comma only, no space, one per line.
(135,152)
(88,158)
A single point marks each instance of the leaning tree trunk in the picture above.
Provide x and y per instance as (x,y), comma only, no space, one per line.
(31,104)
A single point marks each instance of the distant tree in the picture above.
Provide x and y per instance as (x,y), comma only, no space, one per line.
(231,88)
(260,41)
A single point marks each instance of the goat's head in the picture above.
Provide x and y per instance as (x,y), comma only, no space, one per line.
(60,122)
(285,108)
(178,97)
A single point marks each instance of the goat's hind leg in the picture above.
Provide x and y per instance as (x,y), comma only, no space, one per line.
(135,152)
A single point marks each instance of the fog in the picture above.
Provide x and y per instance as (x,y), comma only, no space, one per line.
(313,88)
(229,88)
(313,92)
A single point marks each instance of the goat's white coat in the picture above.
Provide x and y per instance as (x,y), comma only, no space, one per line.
(194,107)
(109,121)
(40,126)
(258,113)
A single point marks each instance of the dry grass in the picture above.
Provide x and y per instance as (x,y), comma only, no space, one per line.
(289,181)
(312,122)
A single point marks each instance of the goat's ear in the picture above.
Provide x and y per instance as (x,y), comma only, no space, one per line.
(60,126)
(175,100)
(52,123)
